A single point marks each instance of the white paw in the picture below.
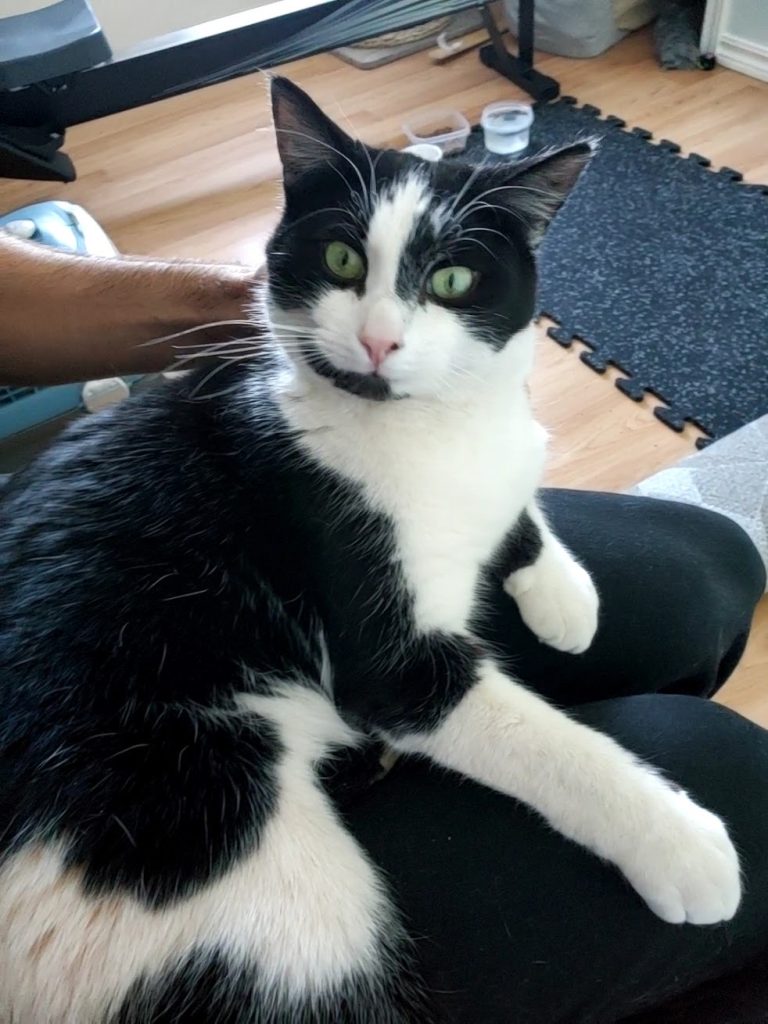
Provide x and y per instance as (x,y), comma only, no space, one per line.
(684,864)
(557,601)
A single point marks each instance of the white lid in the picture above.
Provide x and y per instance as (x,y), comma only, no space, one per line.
(21,228)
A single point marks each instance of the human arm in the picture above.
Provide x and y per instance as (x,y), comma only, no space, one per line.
(65,317)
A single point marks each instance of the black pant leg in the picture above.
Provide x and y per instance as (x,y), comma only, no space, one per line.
(678,587)
(516,925)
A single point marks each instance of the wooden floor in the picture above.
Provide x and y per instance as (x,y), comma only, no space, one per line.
(197,176)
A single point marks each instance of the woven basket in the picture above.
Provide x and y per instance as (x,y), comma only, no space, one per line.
(406,35)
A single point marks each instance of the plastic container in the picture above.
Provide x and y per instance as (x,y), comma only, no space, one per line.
(425,150)
(507,126)
(447,129)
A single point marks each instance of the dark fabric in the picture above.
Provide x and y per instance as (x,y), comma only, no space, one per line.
(737,998)
(660,265)
(677,585)
(516,925)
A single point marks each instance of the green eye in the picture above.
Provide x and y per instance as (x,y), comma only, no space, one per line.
(452,282)
(344,262)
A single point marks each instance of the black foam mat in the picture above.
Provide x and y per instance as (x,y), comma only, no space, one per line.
(659,264)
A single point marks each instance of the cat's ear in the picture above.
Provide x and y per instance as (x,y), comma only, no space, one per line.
(305,136)
(540,187)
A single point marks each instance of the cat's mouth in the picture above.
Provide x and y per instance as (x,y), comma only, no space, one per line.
(366,385)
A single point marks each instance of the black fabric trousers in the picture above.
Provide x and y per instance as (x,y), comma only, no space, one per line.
(514,923)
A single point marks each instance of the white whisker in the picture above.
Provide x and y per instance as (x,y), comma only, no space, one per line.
(463,190)
(193,330)
(322,142)
(490,231)
(209,376)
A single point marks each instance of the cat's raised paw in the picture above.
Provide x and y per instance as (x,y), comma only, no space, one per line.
(557,600)
(684,865)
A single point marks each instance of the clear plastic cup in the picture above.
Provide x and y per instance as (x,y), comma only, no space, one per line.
(507,126)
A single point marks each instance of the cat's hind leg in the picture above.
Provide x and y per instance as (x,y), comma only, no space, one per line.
(298,928)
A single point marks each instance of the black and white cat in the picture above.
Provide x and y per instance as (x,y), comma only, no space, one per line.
(209,590)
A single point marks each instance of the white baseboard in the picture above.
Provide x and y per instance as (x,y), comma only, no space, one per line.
(742,55)
(714,14)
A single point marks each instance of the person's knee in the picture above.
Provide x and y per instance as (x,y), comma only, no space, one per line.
(727,550)
(691,545)
(678,584)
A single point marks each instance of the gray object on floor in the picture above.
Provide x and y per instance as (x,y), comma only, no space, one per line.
(730,476)
(676,35)
(661,266)
(365,59)
(580,28)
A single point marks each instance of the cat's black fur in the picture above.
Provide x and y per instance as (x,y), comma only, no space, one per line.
(149,556)
(204,989)
(152,552)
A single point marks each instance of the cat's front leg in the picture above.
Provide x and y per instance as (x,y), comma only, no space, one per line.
(555,594)
(677,855)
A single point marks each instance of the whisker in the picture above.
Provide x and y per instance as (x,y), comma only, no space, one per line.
(246,350)
(193,330)
(223,344)
(462,191)
(476,241)
(316,213)
(288,327)
(490,231)
(209,376)
(507,188)
(322,142)
(202,351)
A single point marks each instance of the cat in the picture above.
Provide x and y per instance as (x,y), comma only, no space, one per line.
(213,588)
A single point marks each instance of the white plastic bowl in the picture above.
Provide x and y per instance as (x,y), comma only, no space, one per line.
(447,129)
(425,150)
(507,126)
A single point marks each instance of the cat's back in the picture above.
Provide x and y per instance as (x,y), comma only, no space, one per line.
(153,468)
(108,535)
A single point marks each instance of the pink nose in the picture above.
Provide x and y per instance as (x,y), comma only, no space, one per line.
(379,348)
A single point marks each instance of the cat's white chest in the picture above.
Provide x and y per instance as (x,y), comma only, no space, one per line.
(453,508)
(453,483)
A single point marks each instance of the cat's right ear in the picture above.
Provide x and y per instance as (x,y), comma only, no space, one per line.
(305,136)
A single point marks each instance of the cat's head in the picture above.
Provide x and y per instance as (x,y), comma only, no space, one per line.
(395,277)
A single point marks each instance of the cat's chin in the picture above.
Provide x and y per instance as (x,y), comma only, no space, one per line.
(364,385)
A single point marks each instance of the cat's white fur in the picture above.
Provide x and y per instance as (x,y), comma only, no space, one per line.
(676,854)
(454,469)
(556,596)
(453,466)
(305,908)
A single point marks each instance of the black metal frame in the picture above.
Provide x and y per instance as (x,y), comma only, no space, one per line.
(33,120)
(153,74)
(519,69)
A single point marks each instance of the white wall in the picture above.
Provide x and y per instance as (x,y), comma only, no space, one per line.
(129,22)
(737,31)
(748,19)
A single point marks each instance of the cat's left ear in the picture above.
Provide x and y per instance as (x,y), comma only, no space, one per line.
(305,136)
(540,187)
